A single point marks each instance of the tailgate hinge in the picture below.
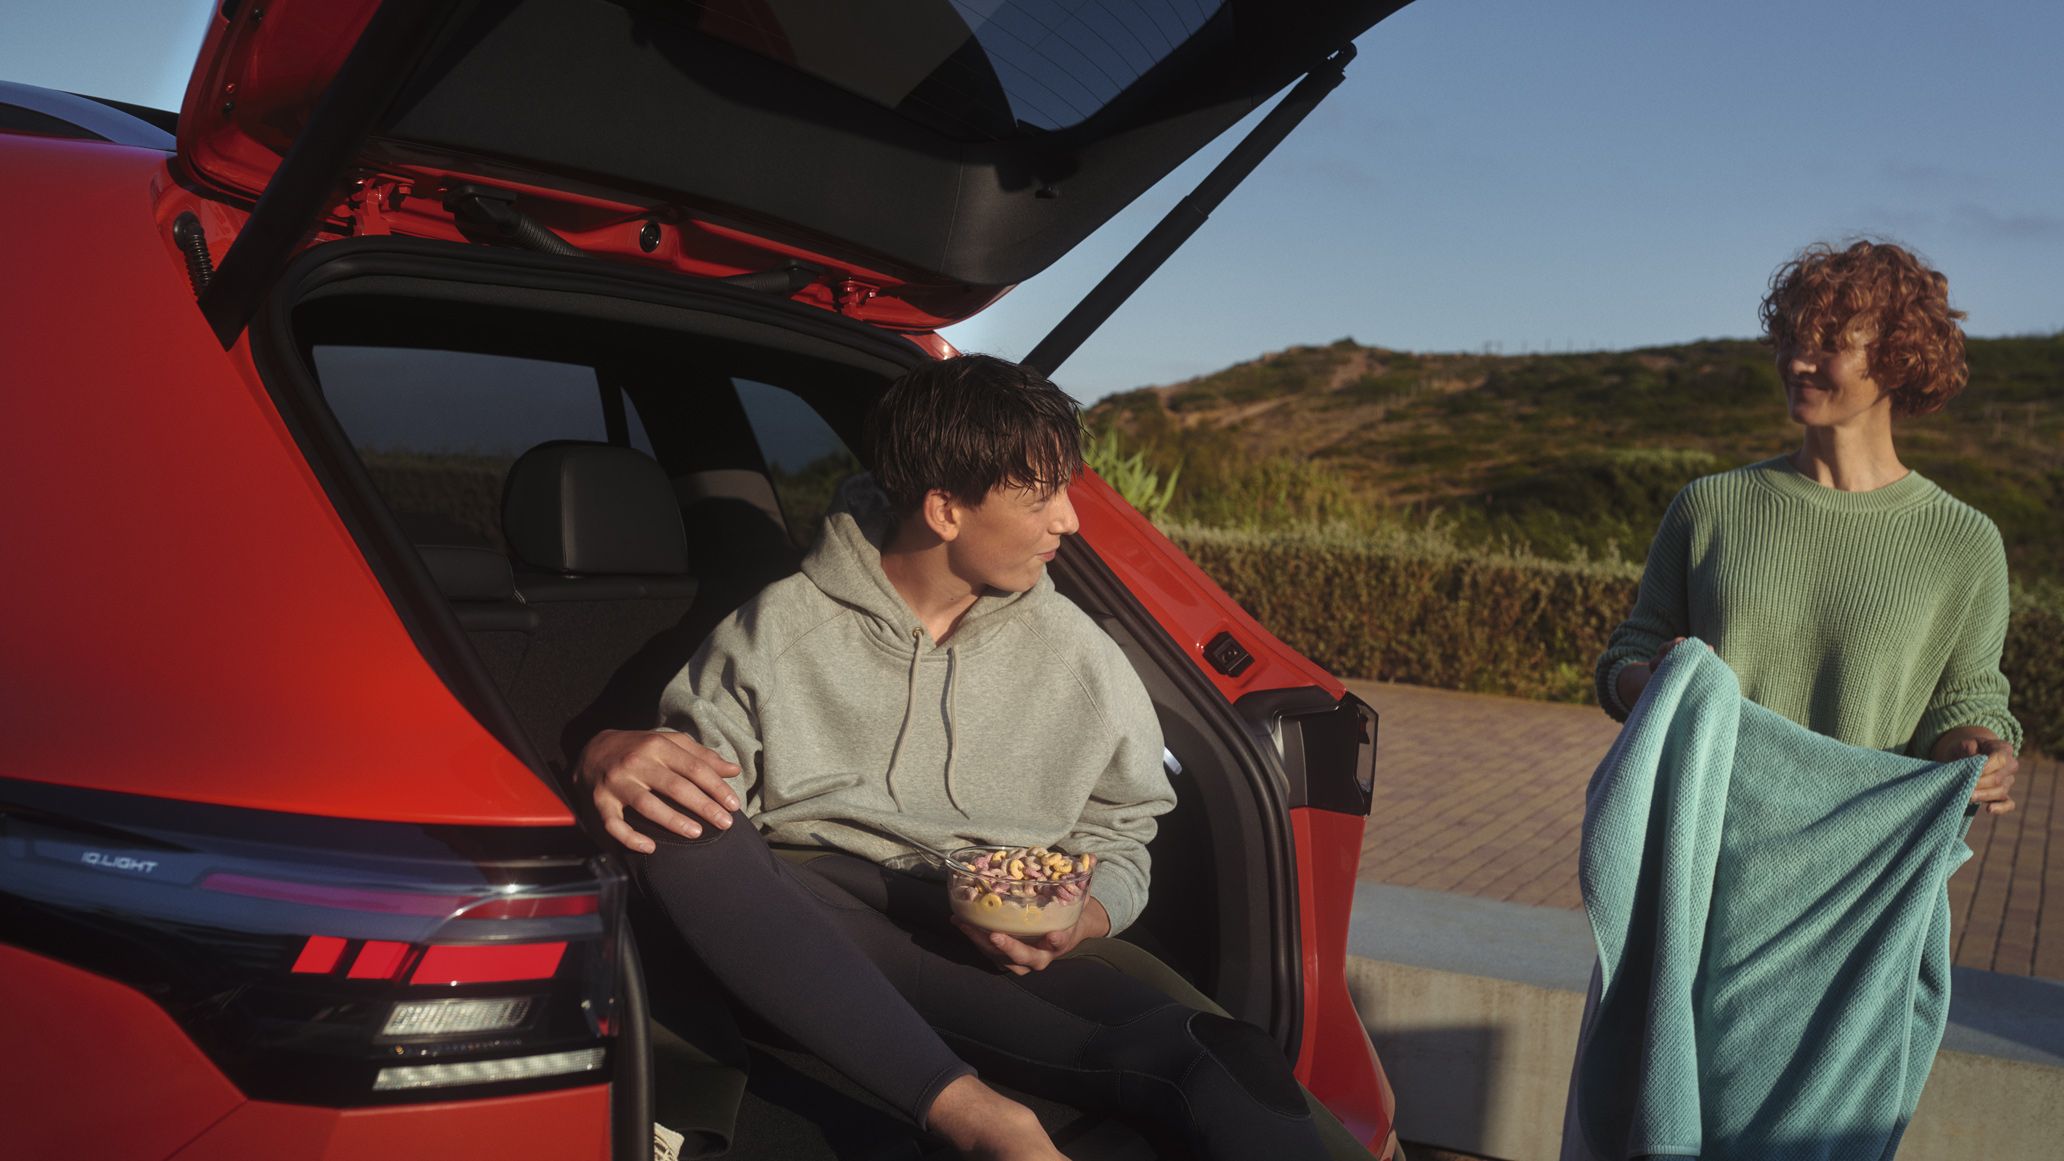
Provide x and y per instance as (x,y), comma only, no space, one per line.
(371,200)
(850,294)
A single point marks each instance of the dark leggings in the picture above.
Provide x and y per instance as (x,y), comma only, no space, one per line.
(812,948)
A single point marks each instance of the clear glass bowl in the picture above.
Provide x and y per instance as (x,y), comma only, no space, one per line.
(1039,898)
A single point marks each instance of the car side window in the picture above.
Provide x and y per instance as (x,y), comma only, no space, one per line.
(438,430)
(805,458)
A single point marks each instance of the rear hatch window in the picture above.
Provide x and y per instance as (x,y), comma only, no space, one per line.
(979,71)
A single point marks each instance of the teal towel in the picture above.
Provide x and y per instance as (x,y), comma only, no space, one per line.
(1772,927)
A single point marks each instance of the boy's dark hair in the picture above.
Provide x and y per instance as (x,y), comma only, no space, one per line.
(969,424)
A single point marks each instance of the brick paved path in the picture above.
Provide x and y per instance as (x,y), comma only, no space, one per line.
(1485,796)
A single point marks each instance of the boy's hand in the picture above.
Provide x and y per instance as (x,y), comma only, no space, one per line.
(631,769)
(1019,955)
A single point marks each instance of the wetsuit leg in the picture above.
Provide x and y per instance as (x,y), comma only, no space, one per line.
(812,948)
(1080,1030)
(776,947)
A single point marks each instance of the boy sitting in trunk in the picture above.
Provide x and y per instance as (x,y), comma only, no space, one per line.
(920,683)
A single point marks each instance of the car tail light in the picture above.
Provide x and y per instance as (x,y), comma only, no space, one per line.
(455,1017)
(472,1072)
(326,961)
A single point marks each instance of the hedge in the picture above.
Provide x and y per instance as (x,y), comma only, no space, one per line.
(2034,664)
(1417,609)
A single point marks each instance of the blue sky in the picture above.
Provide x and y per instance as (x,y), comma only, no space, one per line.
(1518,176)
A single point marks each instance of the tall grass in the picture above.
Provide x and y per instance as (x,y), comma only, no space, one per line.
(1131,475)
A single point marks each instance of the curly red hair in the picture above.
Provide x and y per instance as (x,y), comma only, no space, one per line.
(1916,348)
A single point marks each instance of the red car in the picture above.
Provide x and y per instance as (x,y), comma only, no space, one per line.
(305,621)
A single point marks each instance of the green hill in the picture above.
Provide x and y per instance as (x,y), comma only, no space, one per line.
(1570,456)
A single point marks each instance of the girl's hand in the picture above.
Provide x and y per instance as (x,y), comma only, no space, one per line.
(1997,779)
(1634,678)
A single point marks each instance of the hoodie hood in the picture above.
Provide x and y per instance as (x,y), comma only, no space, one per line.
(846,566)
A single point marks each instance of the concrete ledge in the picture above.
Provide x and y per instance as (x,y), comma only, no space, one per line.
(1474,1006)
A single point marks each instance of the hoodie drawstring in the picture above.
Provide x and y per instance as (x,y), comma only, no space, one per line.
(952,735)
(910,711)
(909,707)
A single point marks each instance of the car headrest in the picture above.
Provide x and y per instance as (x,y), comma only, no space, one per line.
(593,508)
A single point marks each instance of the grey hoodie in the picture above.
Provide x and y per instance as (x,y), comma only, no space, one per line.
(1027,726)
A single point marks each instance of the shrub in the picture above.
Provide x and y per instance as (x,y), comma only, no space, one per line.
(1392,384)
(1588,504)
(1412,605)
(1292,372)
(806,493)
(2034,664)
(1269,492)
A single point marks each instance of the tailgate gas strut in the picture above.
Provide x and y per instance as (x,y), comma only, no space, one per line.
(1191,212)
(394,41)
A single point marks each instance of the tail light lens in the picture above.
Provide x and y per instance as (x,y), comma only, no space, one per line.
(327,961)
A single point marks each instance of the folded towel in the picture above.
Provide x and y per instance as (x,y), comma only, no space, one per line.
(1772,927)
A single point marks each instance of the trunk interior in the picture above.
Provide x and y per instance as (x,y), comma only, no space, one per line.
(429,382)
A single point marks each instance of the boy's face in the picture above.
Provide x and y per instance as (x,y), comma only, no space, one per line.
(1006,541)
(1831,388)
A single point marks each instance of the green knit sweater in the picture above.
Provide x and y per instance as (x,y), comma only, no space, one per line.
(1875,618)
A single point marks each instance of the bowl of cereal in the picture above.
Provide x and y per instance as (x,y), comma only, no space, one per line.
(1018,890)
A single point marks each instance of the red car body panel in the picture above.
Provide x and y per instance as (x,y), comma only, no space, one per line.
(191,619)
(71,1034)
(150,1093)
(254,84)
(570,1125)
(1336,1060)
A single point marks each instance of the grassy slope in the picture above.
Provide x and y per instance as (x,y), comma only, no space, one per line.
(1576,455)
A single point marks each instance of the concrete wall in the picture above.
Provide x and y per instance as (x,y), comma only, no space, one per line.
(1474,1007)
(1479,1065)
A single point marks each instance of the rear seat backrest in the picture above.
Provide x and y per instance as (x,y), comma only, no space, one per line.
(480,586)
(603,561)
(481,589)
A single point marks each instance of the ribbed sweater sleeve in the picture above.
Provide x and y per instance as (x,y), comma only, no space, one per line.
(1661,609)
(1876,618)
(1972,690)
